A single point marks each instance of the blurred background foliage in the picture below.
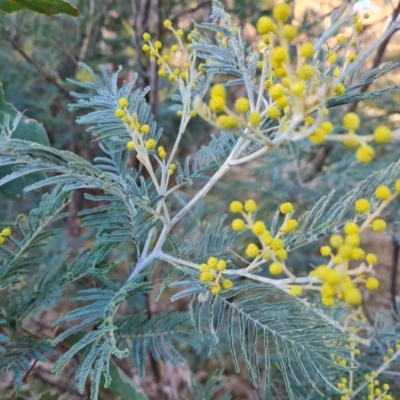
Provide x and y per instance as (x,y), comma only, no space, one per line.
(38,54)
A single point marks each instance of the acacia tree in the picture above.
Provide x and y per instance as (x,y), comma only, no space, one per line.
(298,333)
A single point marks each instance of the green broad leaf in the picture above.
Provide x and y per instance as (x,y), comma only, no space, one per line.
(48,396)
(47,7)
(121,385)
(27,129)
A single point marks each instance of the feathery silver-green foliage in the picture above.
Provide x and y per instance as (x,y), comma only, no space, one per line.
(270,333)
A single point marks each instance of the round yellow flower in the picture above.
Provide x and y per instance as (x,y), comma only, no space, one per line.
(167,23)
(279,55)
(258,228)
(357,254)
(352,240)
(382,192)
(332,277)
(286,208)
(351,121)
(238,225)
(218,91)
(281,12)
(372,284)
(250,206)
(318,137)
(336,241)
(146,36)
(382,134)
(273,112)
(206,276)
(365,154)
(307,50)
(123,102)
(362,206)
(236,207)
(351,228)
(320,272)
(276,91)
(275,269)
(341,40)
(353,297)
(217,104)
(204,268)
(298,88)
(339,89)
(145,129)
(242,105)
(332,57)
(289,32)
(345,252)
(358,27)
(119,113)
(267,238)
(282,102)
(268,84)
(221,265)
(6,232)
(2,239)
(327,290)
(130,146)
(281,254)
(296,290)
(327,127)
(328,301)
(254,118)
(352,57)
(266,25)
(290,226)
(227,122)
(150,144)
(308,121)
(227,284)
(379,225)
(216,288)
(212,262)
(306,72)
(326,251)
(371,258)
(162,153)
(252,250)
(277,244)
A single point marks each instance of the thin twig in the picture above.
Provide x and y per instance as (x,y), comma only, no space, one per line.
(25,378)
(43,72)
(181,14)
(379,54)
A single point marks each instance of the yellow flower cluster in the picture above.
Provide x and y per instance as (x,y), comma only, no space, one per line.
(365,153)
(5,233)
(211,273)
(167,70)
(337,279)
(137,129)
(376,389)
(171,169)
(269,247)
